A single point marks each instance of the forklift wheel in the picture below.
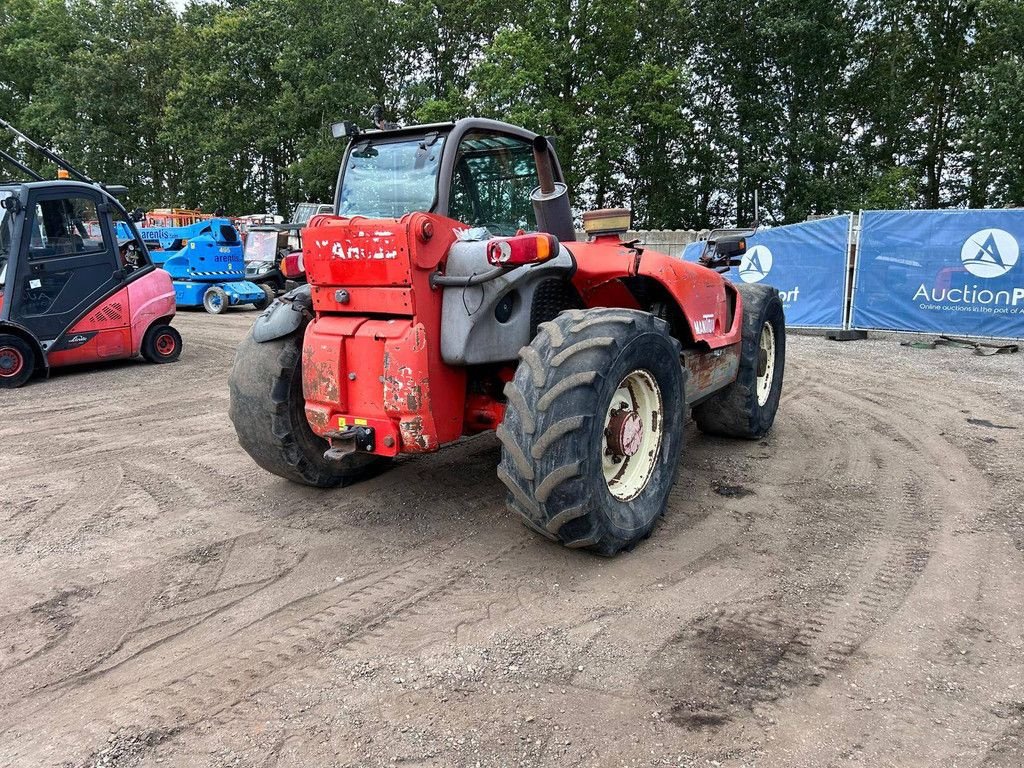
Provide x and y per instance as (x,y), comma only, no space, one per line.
(16,361)
(593,431)
(268,297)
(215,300)
(161,344)
(269,414)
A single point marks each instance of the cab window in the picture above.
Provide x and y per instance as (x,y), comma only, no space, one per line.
(130,254)
(65,226)
(70,262)
(6,237)
(491,183)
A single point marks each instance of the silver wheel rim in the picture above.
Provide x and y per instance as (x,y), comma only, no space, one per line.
(765,363)
(633,431)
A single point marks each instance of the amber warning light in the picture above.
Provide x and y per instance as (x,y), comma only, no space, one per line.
(520,250)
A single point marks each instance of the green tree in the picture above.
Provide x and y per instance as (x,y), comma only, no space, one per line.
(680,109)
(993,136)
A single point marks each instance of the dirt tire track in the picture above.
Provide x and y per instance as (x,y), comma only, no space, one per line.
(858,595)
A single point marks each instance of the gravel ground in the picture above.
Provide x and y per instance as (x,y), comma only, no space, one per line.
(845,592)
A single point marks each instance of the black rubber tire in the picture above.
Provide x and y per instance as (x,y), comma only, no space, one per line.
(156,352)
(268,297)
(268,411)
(216,308)
(18,364)
(552,435)
(734,411)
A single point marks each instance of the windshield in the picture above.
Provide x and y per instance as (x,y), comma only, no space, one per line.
(260,245)
(388,179)
(6,235)
(304,212)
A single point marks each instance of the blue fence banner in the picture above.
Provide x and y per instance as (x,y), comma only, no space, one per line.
(953,272)
(807,262)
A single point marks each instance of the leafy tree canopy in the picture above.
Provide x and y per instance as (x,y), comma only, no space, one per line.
(679,109)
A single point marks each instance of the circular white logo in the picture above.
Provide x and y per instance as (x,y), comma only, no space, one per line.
(990,253)
(756,264)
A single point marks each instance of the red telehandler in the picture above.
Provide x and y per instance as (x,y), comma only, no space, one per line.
(448,296)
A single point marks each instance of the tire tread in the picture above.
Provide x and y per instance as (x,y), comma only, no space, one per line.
(550,412)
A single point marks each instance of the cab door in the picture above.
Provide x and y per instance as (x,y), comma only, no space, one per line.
(69,263)
(492,177)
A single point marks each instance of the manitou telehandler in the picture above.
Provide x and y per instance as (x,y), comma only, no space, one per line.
(448,296)
(76,282)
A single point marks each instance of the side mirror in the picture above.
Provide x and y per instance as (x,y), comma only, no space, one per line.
(12,204)
(730,246)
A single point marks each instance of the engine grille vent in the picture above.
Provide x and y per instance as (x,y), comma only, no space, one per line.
(551,297)
(109,313)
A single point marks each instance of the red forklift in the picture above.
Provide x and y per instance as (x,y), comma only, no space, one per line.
(73,292)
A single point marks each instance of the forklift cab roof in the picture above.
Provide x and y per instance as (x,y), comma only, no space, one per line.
(14,194)
(284,227)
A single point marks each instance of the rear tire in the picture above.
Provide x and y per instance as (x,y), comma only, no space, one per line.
(215,300)
(268,297)
(747,407)
(17,361)
(268,411)
(589,378)
(161,344)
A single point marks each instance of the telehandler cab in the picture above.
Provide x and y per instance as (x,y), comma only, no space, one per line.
(448,296)
(76,281)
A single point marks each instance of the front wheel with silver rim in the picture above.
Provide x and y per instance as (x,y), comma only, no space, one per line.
(747,407)
(593,429)
(216,300)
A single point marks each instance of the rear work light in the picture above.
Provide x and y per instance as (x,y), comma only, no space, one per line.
(521,249)
(292,266)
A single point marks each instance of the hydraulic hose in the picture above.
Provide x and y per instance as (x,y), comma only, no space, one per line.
(437,280)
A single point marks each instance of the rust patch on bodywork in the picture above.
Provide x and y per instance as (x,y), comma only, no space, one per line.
(407,390)
(710,371)
(414,399)
(413,436)
(320,370)
(318,419)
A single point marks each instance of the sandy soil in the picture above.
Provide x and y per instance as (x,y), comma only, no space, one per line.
(846,592)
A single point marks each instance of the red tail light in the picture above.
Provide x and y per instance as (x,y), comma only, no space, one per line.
(292,266)
(521,249)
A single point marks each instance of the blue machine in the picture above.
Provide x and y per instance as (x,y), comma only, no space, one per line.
(206,264)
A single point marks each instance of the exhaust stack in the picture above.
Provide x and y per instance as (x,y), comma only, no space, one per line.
(551,198)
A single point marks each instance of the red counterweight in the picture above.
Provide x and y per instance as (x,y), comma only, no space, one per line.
(371,356)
